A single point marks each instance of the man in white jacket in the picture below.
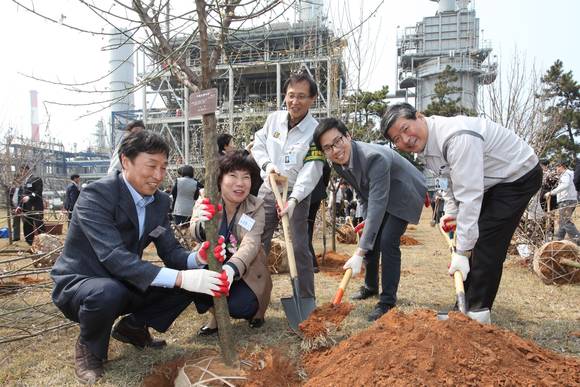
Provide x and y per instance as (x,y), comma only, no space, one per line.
(284,146)
(491,176)
(566,194)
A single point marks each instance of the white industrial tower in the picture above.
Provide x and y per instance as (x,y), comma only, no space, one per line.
(451,37)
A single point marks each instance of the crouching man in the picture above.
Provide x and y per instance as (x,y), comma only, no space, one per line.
(101,275)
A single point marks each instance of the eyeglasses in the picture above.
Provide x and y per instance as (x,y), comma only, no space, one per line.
(338,142)
(297,97)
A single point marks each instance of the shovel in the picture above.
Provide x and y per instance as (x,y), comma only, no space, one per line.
(296,308)
(481,315)
(342,287)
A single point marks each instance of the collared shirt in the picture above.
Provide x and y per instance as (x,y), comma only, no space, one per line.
(166,277)
(473,154)
(287,149)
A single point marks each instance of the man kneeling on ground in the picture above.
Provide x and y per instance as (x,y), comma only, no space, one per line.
(101,274)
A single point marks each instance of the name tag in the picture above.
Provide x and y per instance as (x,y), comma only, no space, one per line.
(442,183)
(29,185)
(156,233)
(246,222)
(290,159)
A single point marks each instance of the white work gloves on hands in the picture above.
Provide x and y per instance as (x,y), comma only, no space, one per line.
(289,208)
(204,210)
(203,281)
(459,263)
(272,168)
(354,263)
(230,272)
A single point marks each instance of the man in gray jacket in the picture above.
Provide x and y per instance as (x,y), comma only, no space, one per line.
(390,190)
(491,176)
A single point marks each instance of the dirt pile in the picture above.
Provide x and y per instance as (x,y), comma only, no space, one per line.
(323,319)
(265,368)
(416,349)
(409,241)
(332,263)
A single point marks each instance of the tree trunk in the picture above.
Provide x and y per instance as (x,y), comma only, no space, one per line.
(210,154)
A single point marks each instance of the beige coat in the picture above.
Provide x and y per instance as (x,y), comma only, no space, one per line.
(250,258)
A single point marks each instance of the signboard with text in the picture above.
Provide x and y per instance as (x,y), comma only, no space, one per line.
(203,102)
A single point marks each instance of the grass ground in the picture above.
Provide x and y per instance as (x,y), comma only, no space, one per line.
(546,314)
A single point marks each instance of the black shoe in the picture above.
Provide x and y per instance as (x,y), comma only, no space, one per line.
(316,269)
(363,293)
(88,368)
(137,336)
(256,322)
(207,331)
(379,310)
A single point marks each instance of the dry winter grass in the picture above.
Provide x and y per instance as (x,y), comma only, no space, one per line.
(546,314)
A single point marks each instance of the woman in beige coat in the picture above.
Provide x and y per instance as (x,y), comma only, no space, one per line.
(241,224)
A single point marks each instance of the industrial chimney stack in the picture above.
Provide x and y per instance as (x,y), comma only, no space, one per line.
(35,127)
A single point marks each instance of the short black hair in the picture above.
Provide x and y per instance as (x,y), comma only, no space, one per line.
(74,176)
(236,161)
(143,142)
(134,124)
(301,76)
(562,163)
(325,125)
(185,171)
(223,140)
(393,113)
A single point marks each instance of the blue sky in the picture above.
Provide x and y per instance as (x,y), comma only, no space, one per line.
(544,31)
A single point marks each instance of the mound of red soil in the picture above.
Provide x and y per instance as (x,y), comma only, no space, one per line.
(417,349)
(409,241)
(322,317)
(332,263)
(270,368)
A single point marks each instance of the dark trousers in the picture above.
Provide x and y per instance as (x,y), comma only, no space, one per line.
(314,207)
(501,211)
(100,301)
(33,222)
(16,227)
(388,246)
(242,302)
(179,219)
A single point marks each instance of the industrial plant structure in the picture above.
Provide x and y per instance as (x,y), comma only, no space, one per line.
(450,38)
(250,73)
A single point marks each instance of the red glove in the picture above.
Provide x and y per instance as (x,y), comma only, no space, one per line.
(448,223)
(359,228)
(427,200)
(219,252)
(224,287)
(204,210)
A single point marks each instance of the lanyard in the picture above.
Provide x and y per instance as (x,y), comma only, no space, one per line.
(229,227)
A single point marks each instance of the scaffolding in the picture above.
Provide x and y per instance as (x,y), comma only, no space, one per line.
(250,74)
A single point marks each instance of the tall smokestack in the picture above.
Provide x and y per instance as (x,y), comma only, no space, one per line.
(35,134)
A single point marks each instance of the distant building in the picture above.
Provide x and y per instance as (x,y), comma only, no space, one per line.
(451,37)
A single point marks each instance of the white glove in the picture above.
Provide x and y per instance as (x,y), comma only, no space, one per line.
(25,199)
(459,263)
(230,272)
(272,168)
(289,209)
(445,219)
(354,263)
(202,281)
(204,210)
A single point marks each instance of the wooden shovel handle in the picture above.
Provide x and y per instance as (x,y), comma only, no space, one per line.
(342,287)
(276,180)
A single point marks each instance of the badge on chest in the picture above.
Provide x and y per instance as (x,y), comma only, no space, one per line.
(246,222)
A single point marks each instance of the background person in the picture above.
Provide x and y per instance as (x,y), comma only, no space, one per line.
(566,195)
(31,205)
(184,193)
(241,225)
(391,191)
(72,193)
(491,176)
